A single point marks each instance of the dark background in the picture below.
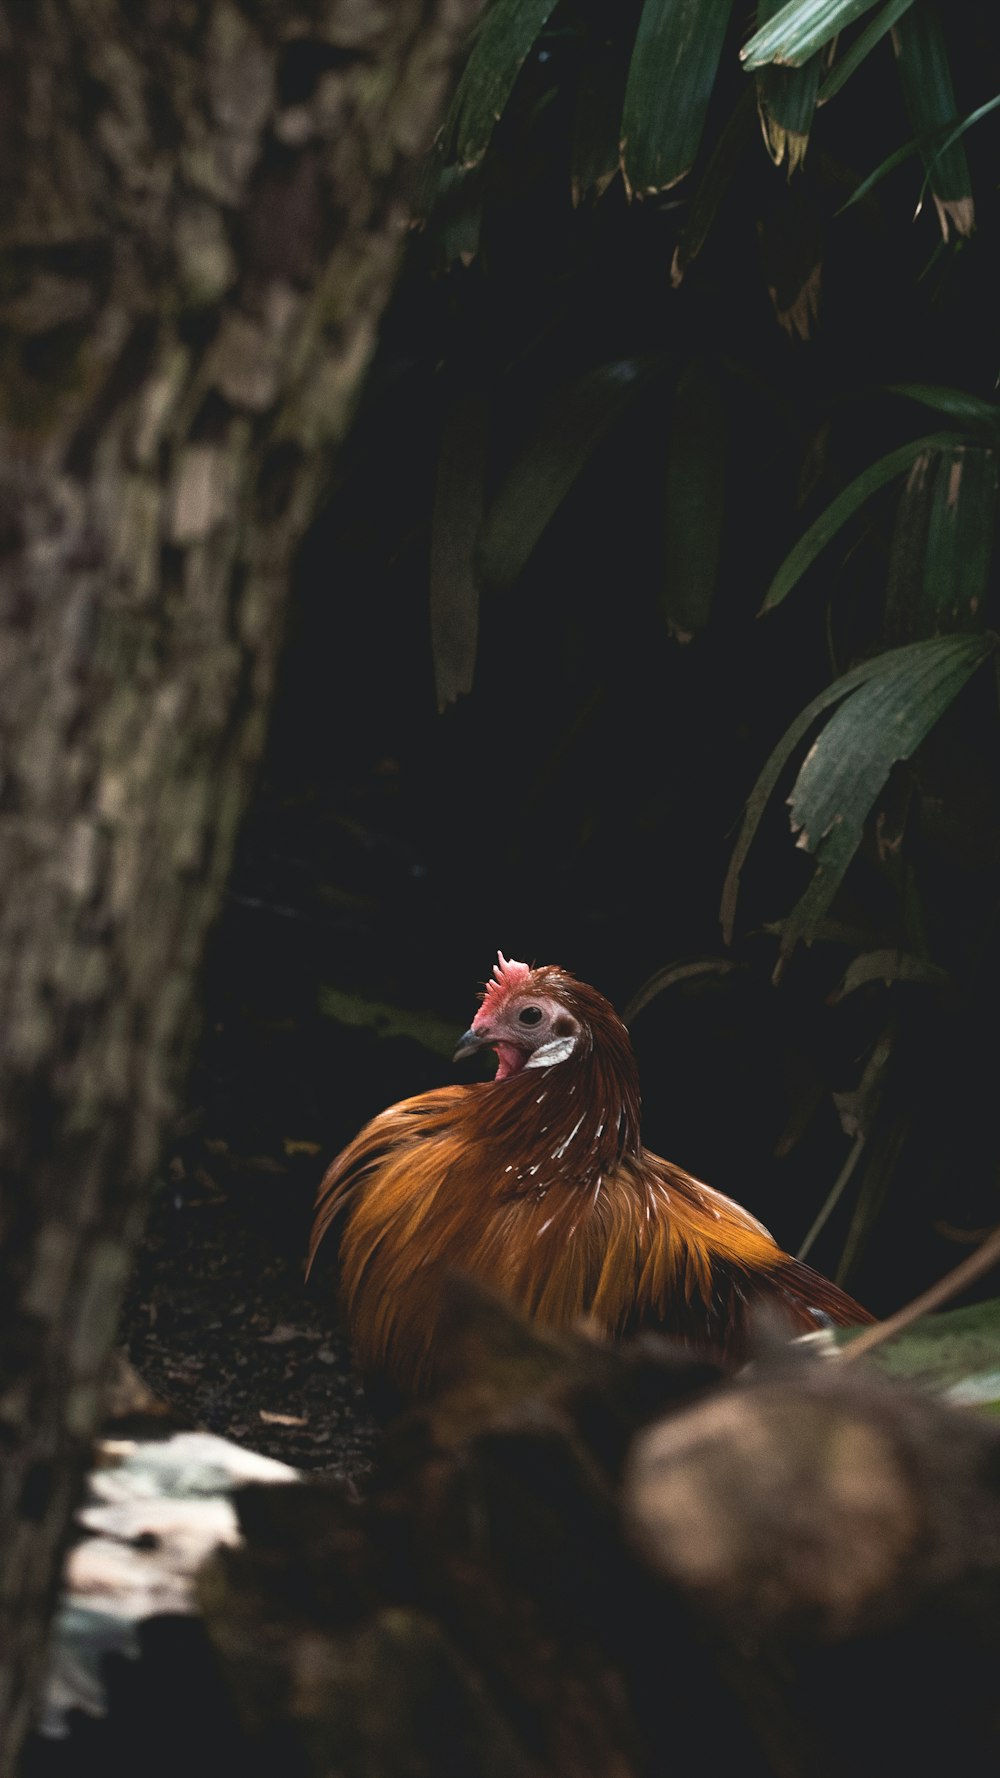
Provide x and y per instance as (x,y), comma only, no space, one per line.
(580,806)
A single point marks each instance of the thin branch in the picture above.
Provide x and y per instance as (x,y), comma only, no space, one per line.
(964,1274)
(833,1196)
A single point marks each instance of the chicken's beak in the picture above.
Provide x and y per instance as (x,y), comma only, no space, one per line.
(468,1043)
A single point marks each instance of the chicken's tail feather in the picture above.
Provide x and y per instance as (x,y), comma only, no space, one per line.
(810,1298)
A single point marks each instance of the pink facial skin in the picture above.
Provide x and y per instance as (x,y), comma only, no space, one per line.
(510,1060)
(508,977)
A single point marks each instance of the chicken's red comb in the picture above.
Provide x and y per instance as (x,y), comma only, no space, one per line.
(508,976)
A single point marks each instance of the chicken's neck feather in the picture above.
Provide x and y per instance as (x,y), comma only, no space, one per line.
(569,1123)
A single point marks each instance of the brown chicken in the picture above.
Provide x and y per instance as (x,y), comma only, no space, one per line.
(537,1183)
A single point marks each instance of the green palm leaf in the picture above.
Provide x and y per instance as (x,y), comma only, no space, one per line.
(727,156)
(902,695)
(936,144)
(943,544)
(925,76)
(568,432)
(846,504)
(881,722)
(767,782)
(786,101)
(958,404)
(799,29)
(967,123)
(882,171)
(670,81)
(596,155)
(960,533)
(861,48)
(503,40)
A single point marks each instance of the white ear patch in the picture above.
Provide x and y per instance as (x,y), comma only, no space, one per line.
(558,1049)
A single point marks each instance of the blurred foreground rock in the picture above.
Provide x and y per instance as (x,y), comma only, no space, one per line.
(597,1563)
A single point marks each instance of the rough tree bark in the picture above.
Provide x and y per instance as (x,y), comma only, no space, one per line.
(202,213)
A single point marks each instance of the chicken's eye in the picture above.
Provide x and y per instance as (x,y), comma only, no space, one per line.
(530,1015)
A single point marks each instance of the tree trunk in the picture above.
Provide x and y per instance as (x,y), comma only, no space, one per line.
(203,212)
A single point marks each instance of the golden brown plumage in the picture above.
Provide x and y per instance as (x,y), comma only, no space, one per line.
(537,1183)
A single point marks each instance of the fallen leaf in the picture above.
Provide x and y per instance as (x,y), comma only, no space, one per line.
(279,1335)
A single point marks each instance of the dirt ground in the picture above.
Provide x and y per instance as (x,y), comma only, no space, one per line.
(220,1324)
